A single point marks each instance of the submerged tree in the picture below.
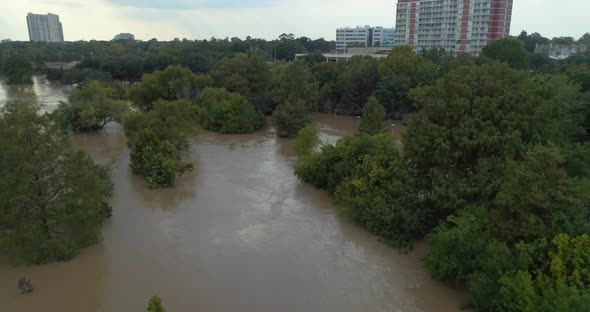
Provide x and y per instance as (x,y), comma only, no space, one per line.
(157,160)
(228,113)
(155,305)
(156,139)
(25,286)
(18,69)
(174,83)
(307,139)
(373,121)
(53,200)
(91,108)
(290,117)
(298,84)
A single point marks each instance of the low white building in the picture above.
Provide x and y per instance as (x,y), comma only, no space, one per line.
(363,37)
(360,36)
(375,52)
(383,37)
(560,51)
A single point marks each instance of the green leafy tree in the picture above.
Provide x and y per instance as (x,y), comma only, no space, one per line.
(174,83)
(580,74)
(173,121)
(155,305)
(402,60)
(585,39)
(401,71)
(307,139)
(550,276)
(91,108)
(471,120)
(245,74)
(392,92)
(451,61)
(156,139)
(380,195)
(228,113)
(286,47)
(507,142)
(334,163)
(434,55)
(508,50)
(53,200)
(563,40)
(290,117)
(373,121)
(459,244)
(464,251)
(359,80)
(531,41)
(157,160)
(297,84)
(538,199)
(18,69)
(370,181)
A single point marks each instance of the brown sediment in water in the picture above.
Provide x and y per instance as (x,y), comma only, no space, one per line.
(239,233)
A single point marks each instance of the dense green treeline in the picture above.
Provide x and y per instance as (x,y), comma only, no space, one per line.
(494,172)
(129,60)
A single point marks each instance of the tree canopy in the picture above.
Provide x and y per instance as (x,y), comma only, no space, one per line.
(228,113)
(91,108)
(155,305)
(307,139)
(173,83)
(509,50)
(53,200)
(156,139)
(290,117)
(18,69)
(373,121)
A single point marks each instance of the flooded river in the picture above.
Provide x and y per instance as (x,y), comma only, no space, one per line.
(239,233)
(43,92)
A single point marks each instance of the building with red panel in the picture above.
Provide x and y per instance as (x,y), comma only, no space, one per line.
(454,25)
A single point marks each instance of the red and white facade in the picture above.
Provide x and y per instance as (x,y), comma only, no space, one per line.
(454,25)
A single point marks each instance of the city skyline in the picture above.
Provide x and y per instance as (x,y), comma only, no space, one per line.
(203,19)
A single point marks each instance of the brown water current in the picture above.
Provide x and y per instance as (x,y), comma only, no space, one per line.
(46,94)
(239,233)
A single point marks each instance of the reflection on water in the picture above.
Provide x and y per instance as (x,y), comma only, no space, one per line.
(240,233)
(46,93)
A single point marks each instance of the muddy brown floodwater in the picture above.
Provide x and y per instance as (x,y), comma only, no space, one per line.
(45,93)
(239,233)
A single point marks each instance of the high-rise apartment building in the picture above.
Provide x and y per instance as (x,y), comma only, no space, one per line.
(454,25)
(45,27)
(363,36)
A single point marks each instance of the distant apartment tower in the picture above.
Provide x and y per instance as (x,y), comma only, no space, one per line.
(124,36)
(363,36)
(45,28)
(454,25)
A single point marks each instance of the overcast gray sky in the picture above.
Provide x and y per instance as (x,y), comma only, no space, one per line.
(203,19)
